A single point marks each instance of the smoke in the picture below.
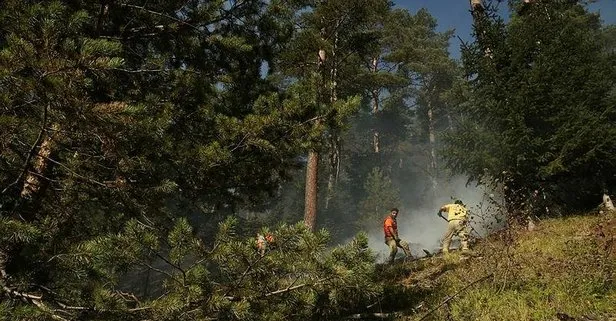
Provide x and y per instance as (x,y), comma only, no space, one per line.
(419,225)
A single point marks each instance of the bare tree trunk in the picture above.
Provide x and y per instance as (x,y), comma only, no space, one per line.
(310,211)
(334,138)
(432,140)
(375,105)
(334,70)
(334,168)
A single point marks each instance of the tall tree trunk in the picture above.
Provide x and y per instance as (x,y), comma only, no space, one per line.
(334,167)
(312,168)
(312,171)
(375,105)
(334,159)
(432,141)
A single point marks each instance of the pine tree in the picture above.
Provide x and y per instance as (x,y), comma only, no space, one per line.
(382,195)
(413,74)
(540,105)
(113,117)
(326,52)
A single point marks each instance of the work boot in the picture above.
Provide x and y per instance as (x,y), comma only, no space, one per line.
(391,260)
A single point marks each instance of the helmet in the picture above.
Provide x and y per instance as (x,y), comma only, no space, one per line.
(459,202)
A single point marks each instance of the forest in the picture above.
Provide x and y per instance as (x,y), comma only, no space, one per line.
(146,144)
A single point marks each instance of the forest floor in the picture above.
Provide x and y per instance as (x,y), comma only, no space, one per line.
(564,269)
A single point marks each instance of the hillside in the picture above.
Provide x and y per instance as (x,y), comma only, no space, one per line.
(562,270)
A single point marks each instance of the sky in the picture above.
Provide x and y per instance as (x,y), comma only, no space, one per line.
(455,14)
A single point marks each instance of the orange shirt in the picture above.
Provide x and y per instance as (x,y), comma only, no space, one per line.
(388,225)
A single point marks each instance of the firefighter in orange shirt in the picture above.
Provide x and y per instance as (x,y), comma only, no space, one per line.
(390,228)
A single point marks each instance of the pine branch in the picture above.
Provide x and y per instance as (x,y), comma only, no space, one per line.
(248,269)
(175,266)
(161,15)
(374,315)
(311,120)
(138,71)
(241,278)
(171,264)
(169,275)
(45,308)
(75,173)
(31,152)
(39,302)
(20,294)
(128,297)
(290,288)
(34,299)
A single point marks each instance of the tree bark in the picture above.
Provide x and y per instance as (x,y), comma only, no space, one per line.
(334,162)
(375,106)
(34,181)
(310,210)
(432,142)
(312,167)
(334,138)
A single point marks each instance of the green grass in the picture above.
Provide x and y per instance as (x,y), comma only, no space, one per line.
(561,267)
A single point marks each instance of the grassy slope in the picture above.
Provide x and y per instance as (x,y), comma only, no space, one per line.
(564,268)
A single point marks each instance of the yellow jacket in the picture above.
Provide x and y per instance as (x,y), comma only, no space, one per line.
(455,211)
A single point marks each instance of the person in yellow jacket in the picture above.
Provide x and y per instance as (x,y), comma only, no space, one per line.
(457,226)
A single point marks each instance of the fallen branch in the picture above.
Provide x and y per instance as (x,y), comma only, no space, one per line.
(37,300)
(373,315)
(50,305)
(291,288)
(449,298)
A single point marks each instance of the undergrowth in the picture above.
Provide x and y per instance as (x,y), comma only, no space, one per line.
(563,270)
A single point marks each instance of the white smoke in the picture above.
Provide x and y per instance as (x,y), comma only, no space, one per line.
(419,225)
